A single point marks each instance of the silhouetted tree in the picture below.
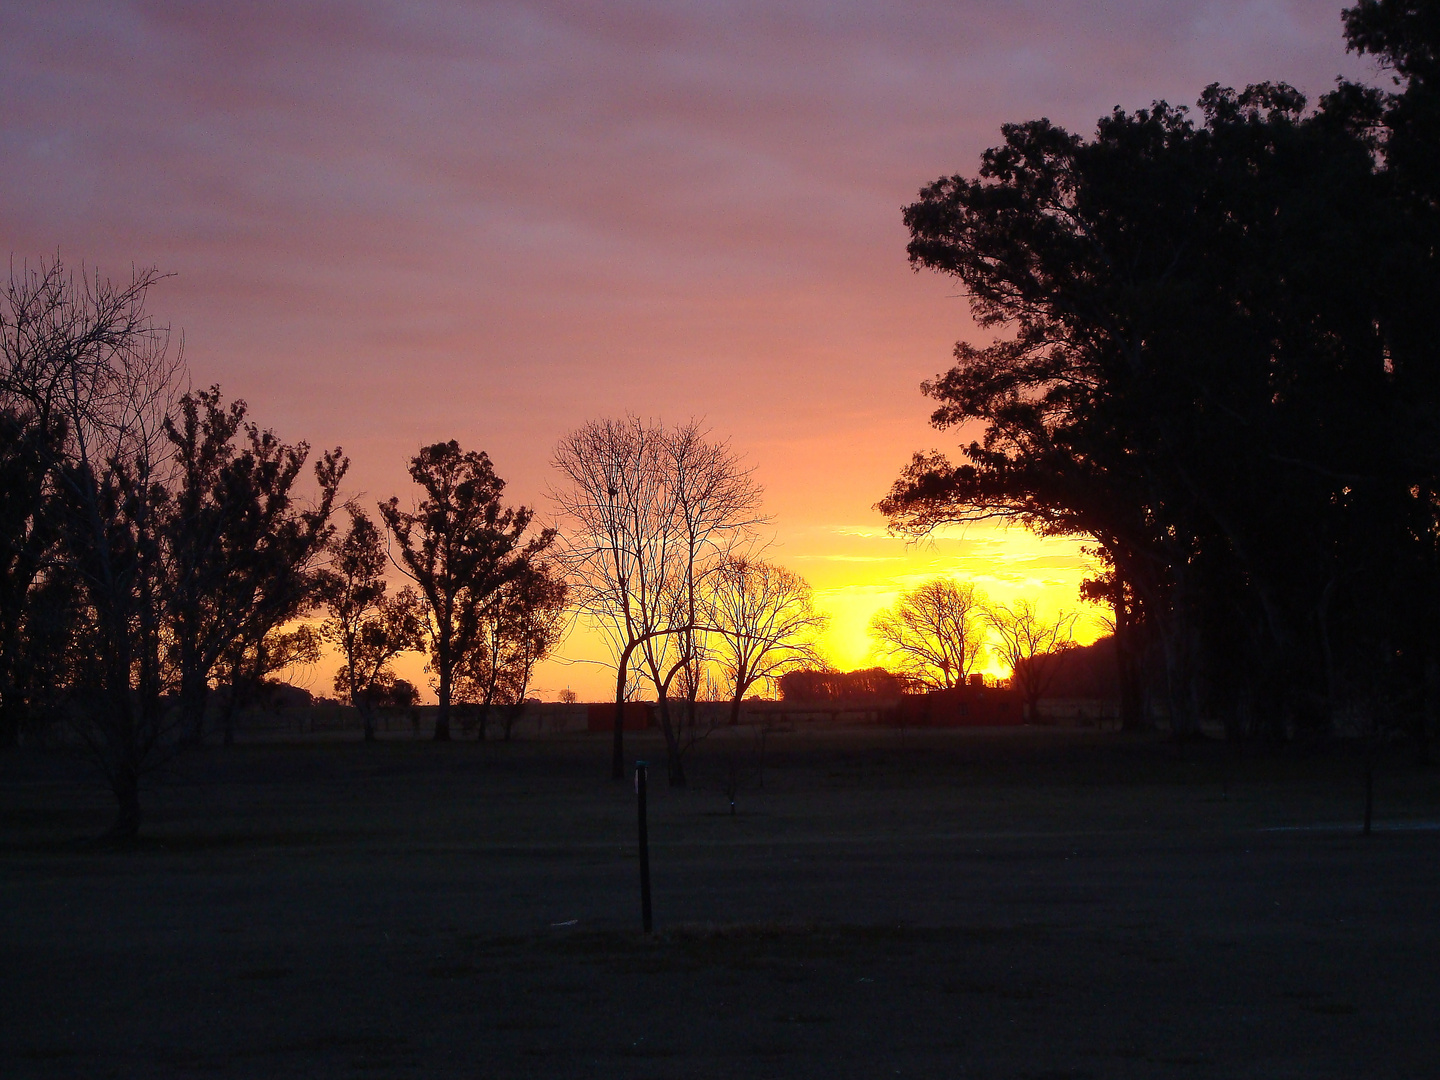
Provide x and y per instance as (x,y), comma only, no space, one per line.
(89,372)
(68,347)
(934,633)
(1030,644)
(1126,624)
(1404,35)
(520,624)
(142,542)
(1201,377)
(459,546)
(29,575)
(401,694)
(239,553)
(247,666)
(370,627)
(869,685)
(765,624)
(653,512)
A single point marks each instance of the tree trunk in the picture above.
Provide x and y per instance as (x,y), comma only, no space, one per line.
(10,699)
(674,765)
(193,691)
(1177,647)
(367,714)
(1032,709)
(9,725)
(1132,705)
(442,712)
(227,716)
(617,757)
(617,750)
(125,783)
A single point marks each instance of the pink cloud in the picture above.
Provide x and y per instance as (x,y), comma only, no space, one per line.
(395,222)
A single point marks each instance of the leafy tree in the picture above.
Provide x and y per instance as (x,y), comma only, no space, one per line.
(520,624)
(370,627)
(79,360)
(239,553)
(1196,377)
(141,542)
(1404,35)
(1125,623)
(246,669)
(401,694)
(460,545)
(870,685)
(934,633)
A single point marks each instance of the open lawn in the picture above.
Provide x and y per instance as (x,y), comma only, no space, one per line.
(940,904)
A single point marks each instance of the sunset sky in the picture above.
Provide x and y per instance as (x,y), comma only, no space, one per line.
(394,223)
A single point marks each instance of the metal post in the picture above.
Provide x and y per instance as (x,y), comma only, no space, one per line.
(644,848)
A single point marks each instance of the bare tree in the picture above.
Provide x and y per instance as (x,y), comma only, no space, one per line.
(652,512)
(1031,644)
(369,626)
(934,633)
(765,624)
(459,546)
(85,363)
(619,529)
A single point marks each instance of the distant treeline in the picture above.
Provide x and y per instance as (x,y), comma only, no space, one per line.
(1221,363)
(869,685)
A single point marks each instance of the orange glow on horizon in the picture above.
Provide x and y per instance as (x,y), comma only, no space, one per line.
(1005,564)
(857,570)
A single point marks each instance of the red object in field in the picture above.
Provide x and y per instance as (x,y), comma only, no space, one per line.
(602,717)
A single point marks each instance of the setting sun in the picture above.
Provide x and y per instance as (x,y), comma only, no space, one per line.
(869,569)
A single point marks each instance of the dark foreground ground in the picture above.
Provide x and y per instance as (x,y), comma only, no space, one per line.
(950,905)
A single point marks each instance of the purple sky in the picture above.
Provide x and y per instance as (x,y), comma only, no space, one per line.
(396,223)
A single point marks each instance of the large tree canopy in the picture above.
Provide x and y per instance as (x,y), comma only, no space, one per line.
(1213,364)
(460,545)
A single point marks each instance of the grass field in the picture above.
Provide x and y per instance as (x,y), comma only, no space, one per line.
(947,904)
